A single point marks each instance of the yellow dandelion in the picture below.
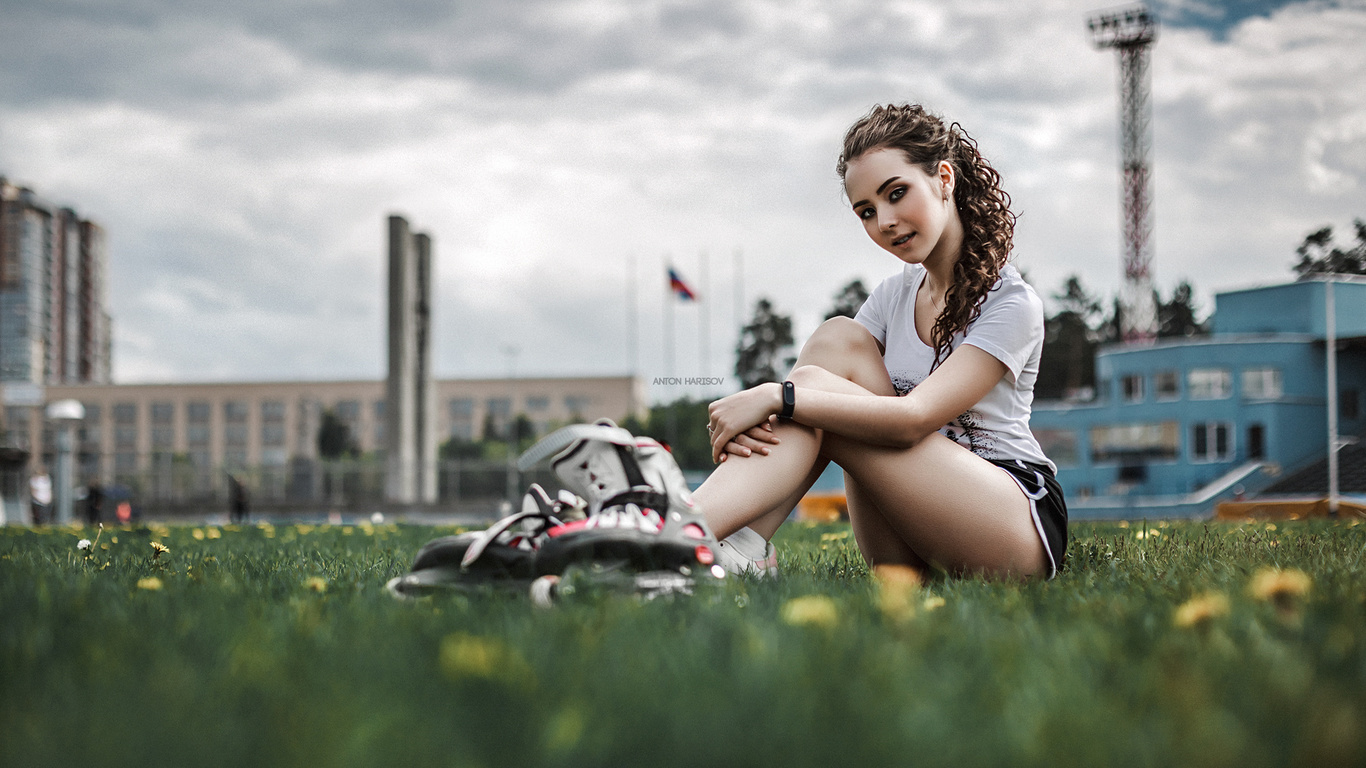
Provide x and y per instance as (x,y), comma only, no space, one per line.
(471,656)
(1280,587)
(1200,610)
(213,533)
(316,583)
(1271,526)
(898,586)
(933,602)
(565,728)
(159,549)
(835,536)
(198,534)
(1123,523)
(151,583)
(810,611)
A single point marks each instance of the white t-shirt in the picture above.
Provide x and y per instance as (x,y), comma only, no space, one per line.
(1009,329)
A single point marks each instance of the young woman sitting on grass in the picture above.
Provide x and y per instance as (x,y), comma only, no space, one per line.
(924,398)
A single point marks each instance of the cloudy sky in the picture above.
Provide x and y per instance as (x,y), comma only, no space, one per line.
(243,157)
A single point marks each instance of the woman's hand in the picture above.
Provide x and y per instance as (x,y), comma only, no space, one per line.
(754,440)
(732,416)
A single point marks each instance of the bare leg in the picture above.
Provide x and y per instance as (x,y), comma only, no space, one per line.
(935,502)
(759,491)
(878,541)
(952,508)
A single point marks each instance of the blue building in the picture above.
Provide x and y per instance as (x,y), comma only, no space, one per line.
(1179,425)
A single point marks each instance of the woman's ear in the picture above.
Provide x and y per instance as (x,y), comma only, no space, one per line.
(946,179)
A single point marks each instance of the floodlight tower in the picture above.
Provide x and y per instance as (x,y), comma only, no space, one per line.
(1131,31)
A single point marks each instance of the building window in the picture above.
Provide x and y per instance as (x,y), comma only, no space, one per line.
(125,413)
(272,410)
(1060,445)
(1167,385)
(537,403)
(1261,383)
(1133,388)
(91,433)
(126,436)
(1349,409)
(273,435)
(163,437)
(235,411)
(1209,383)
(163,413)
(461,412)
(1210,441)
(1152,441)
(235,435)
(348,411)
(577,405)
(498,418)
(272,424)
(125,462)
(197,425)
(1256,441)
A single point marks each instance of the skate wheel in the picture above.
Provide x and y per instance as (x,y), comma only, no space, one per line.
(544,590)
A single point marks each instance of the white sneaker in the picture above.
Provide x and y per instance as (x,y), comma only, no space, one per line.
(737,554)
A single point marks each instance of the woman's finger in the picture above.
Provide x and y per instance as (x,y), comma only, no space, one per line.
(750,444)
(735,448)
(762,434)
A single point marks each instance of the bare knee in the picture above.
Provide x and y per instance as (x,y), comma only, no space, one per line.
(837,341)
(807,375)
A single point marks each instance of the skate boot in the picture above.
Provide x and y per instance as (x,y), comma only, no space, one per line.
(627,520)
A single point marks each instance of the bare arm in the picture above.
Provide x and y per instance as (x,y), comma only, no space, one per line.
(960,382)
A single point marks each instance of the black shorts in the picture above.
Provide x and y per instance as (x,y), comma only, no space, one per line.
(1046,504)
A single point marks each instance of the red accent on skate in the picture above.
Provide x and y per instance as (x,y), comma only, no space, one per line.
(569,527)
(704,555)
(694,531)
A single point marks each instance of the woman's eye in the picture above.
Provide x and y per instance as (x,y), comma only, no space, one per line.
(897,194)
(865,213)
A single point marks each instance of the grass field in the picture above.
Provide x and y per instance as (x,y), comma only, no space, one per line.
(1161,645)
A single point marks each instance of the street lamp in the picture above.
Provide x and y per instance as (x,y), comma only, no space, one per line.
(64,414)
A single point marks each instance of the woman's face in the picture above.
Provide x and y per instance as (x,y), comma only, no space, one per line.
(906,211)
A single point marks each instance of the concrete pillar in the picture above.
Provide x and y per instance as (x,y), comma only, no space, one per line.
(425,389)
(410,397)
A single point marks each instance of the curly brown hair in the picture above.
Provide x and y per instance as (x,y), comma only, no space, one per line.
(983,207)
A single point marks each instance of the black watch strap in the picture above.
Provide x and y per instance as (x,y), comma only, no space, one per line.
(789,400)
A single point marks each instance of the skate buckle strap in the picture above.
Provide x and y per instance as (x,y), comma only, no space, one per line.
(566,436)
(485,538)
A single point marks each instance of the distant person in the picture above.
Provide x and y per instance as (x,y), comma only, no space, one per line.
(40,496)
(237,493)
(94,503)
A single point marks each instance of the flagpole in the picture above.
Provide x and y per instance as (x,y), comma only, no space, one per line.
(703,318)
(632,330)
(739,300)
(671,429)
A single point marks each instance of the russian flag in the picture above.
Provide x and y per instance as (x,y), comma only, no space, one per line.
(680,288)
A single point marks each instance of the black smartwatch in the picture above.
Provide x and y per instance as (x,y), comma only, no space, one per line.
(789,400)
